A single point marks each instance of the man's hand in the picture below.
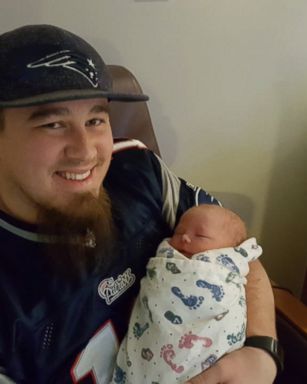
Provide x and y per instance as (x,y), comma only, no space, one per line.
(245,366)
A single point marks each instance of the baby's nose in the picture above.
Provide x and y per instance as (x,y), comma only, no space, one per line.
(186,238)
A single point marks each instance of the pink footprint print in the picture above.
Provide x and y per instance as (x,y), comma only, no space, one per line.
(168,354)
(188,340)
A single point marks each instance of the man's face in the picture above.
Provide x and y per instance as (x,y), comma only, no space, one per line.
(51,153)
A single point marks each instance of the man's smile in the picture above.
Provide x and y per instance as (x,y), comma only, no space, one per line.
(79,176)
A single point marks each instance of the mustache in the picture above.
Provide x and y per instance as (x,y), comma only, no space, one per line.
(90,163)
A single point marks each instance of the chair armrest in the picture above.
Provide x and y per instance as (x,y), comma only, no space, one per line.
(291,319)
(291,309)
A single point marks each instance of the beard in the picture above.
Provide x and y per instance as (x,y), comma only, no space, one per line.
(80,236)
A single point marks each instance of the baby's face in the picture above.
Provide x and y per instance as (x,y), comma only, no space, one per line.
(198,232)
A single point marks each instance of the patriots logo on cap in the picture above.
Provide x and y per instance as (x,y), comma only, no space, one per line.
(71,61)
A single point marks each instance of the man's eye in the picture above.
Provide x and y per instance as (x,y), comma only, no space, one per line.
(53,125)
(95,122)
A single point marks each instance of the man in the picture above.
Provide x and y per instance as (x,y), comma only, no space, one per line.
(80,219)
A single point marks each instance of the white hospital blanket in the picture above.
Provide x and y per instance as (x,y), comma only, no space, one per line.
(188,314)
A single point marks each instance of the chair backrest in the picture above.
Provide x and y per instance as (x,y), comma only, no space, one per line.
(130,119)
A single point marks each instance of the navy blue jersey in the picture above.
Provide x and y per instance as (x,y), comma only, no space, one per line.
(54,330)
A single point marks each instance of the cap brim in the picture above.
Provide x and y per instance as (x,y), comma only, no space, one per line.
(75,94)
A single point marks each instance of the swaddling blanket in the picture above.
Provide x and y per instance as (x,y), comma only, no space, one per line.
(189,313)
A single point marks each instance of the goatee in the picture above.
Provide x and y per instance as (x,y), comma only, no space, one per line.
(80,236)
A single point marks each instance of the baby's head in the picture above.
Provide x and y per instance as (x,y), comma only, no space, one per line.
(207,227)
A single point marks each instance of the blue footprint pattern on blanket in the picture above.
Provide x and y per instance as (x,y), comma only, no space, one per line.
(138,329)
(172,317)
(151,272)
(228,263)
(242,251)
(204,258)
(168,251)
(119,375)
(172,267)
(208,362)
(191,301)
(216,290)
(146,305)
(236,338)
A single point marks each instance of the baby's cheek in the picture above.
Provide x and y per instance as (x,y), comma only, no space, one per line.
(198,245)
(173,242)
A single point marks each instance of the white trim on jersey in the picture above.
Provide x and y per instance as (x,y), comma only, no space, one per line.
(5,380)
(128,144)
(32,236)
(196,196)
(170,192)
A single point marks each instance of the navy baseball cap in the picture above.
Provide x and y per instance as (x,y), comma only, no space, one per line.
(43,63)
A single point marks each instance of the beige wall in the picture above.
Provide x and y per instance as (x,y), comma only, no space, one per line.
(228,87)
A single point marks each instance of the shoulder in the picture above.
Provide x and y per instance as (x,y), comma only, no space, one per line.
(137,170)
(133,168)
(133,155)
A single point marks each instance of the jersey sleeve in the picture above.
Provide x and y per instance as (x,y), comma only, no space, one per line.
(179,195)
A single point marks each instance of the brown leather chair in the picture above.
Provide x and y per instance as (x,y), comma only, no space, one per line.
(292,333)
(130,120)
(133,120)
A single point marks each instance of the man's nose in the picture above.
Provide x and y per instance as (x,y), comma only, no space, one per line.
(80,145)
(186,238)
